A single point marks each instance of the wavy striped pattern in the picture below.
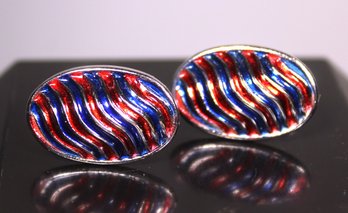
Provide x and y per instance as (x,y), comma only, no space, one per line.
(103,115)
(242,172)
(97,190)
(245,92)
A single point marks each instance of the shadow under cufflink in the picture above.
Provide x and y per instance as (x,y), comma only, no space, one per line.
(92,189)
(241,171)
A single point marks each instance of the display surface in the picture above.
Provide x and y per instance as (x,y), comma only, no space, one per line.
(245,92)
(320,148)
(102,114)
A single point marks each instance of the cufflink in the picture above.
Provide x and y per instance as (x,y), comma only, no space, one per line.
(245,92)
(102,114)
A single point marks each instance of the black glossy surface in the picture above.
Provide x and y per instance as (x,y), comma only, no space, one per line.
(320,148)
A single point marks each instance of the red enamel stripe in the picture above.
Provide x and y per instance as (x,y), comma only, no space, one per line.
(93,106)
(168,204)
(147,202)
(307,101)
(220,180)
(141,90)
(74,120)
(122,105)
(242,91)
(39,134)
(204,113)
(52,124)
(284,100)
(281,183)
(221,99)
(184,109)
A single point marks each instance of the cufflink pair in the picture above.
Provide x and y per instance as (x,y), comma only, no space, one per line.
(112,115)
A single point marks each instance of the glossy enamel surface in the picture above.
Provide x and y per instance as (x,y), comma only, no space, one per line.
(245,92)
(102,114)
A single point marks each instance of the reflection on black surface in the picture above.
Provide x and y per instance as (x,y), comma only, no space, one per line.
(242,171)
(101,190)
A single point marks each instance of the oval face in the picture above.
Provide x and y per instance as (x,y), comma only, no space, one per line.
(103,114)
(242,171)
(245,92)
(101,190)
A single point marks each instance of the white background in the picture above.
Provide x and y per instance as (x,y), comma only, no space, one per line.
(113,29)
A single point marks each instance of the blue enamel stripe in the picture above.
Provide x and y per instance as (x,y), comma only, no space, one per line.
(149,110)
(63,123)
(159,93)
(207,100)
(189,106)
(243,70)
(293,67)
(100,92)
(289,89)
(228,91)
(35,110)
(86,118)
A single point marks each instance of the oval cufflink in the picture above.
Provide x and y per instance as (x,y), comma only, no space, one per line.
(245,92)
(102,114)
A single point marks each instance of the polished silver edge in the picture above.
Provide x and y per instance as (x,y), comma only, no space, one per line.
(114,69)
(306,70)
